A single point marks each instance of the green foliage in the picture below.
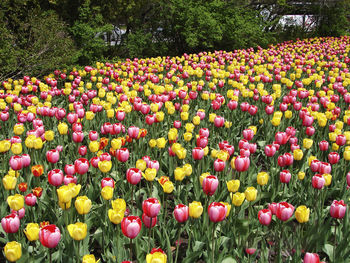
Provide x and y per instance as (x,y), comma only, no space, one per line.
(35,43)
(86,30)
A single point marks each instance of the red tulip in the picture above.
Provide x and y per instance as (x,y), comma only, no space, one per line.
(133,132)
(210,184)
(197,153)
(16,162)
(181,213)
(242,163)
(217,212)
(49,236)
(318,181)
(323,145)
(30,199)
(250,251)
(55,177)
(248,134)
(82,150)
(333,157)
(133,175)
(52,156)
(151,207)
(149,222)
(131,226)
(219,121)
(281,138)
(285,176)
(311,258)
(123,154)
(219,165)
(107,181)
(81,166)
(284,211)
(78,136)
(69,169)
(265,216)
(177,124)
(93,135)
(202,141)
(270,150)
(10,223)
(338,209)
(324,168)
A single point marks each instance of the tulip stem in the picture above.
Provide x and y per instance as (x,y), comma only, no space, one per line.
(50,256)
(213,244)
(149,235)
(178,243)
(131,249)
(335,241)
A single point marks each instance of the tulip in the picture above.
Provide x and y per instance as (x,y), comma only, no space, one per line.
(302,214)
(123,154)
(311,258)
(105,166)
(181,213)
(15,202)
(248,134)
(9,182)
(210,184)
(217,212)
(284,211)
(262,178)
(168,187)
(149,222)
(233,185)
(37,170)
(30,199)
(265,216)
(219,165)
(270,150)
(133,132)
(242,163)
(250,251)
(77,231)
(89,259)
(195,209)
(82,205)
(32,231)
(238,198)
(49,236)
(107,193)
(333,158)
(13,251)
(131,226)
(81,166)
(107,181)
(151,207)
(52,156)
(115,216)
(318,181)
(55,177)
(10,223)
(37,191)
(197,153)
(250,194)
(285,176)
(16,162)
(156,256)
(338,209)
(23,187)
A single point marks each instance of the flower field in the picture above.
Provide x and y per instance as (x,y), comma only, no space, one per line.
(238,156)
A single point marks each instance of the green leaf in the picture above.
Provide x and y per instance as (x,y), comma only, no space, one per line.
(229,260)
(328,249)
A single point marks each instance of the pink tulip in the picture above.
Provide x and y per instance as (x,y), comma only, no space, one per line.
(181,213)
(55,177)
(151,207)
(49,236)
(338,209)
(217,212)
(10,223)
(210,184)
(284,211)
(265,216)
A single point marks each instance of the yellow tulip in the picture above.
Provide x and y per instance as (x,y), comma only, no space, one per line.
(152,143)
(238,198)
(150,174)
(328,179)
(16,148)
(262,178)
(18,129)
(301,175)
(107,192)
(9,182)
(250,194)
(49,135)
(32,231)
(119,205)
(195,209)
(307,143)
(77,231)
(302,214)
(179,174)
(161,142)
(94,146)
(89,259)
(65,194)
(115,216)
(15,202)
(233,185)
(13,251)
(82,205)
(62,128)
(298,154)
(156,257)
(105,166)
(141,164)
(168,187)
(187,169)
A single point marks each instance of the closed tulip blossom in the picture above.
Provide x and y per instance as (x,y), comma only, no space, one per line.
(10,223)
(210,184)
(131,226)
(338,209)
(217,212)
(284,211)
(181,213)
(151,207)
(265,216)
(49,236)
